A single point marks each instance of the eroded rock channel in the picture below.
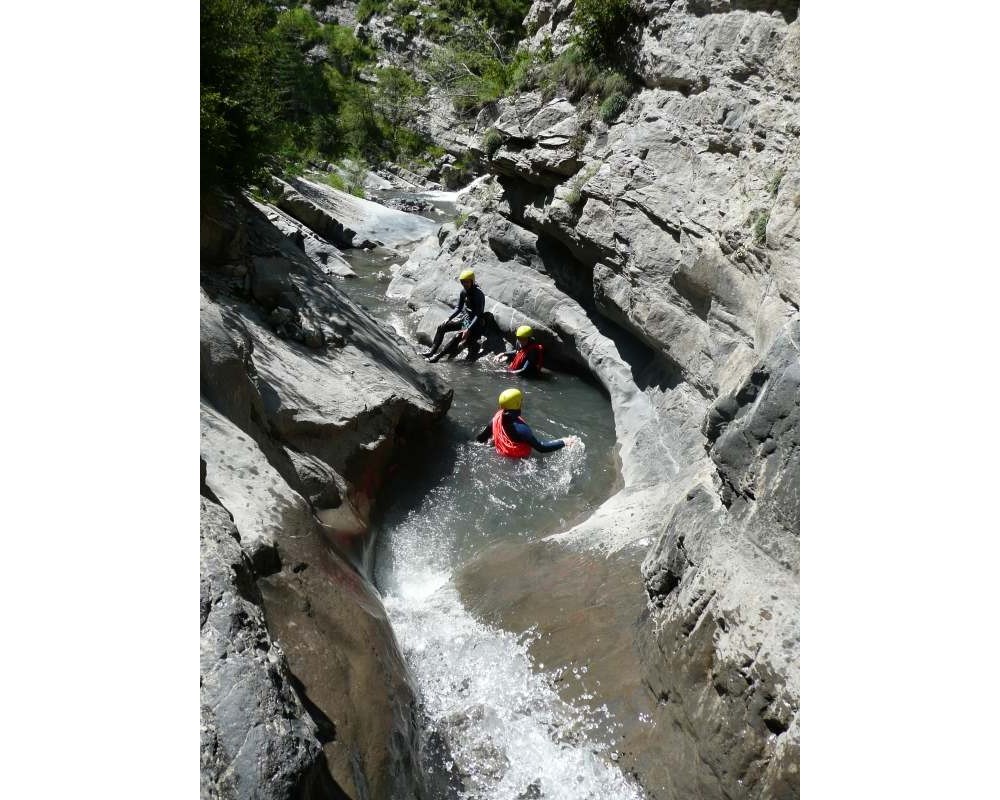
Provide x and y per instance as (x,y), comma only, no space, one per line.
(390,611)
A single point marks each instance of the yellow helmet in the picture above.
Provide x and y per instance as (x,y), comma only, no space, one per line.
(523,331)
(511,399)
(467,275)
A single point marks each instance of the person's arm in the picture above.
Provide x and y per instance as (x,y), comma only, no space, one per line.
(461,305)
(486,433)
(523,433)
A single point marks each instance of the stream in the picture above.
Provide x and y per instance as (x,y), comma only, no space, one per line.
(496,725)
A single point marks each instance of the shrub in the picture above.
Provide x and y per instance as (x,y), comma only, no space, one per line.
(604,28)
(409,25)
(573,73)
(369,8)
(437,28)
(492,142)
(760,227)
(613,107)
(575,193)
(775,182)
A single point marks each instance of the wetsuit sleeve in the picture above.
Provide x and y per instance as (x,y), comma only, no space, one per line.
(484,435)
(523,433)
(461,305)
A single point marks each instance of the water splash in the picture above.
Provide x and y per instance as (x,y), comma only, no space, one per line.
(497,715)
(504,726)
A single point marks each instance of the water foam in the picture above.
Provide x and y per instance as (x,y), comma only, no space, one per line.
(504,725)
(495,723)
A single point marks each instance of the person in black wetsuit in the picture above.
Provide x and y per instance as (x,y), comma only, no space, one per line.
(510,434)
(467,318)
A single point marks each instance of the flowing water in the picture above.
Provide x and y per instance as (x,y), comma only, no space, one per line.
(496,727)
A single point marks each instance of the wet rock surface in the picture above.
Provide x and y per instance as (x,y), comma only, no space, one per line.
(257,740)
(306,403)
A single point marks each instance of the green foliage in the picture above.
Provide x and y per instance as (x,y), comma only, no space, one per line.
(272,100)
(369,8)
(462,171)
(397,99)
(574,195)
(503,17)
(461,218)
(408,24)
(238,125)
(492,142)
(437,28)
(474,67)
(604,28)
(760,227)
(775,182)
(575,75)
(613,107)
(347,53)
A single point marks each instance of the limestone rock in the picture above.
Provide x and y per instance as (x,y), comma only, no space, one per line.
(257,739)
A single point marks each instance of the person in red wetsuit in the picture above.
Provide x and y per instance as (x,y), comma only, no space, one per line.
(527,356)
(510,434)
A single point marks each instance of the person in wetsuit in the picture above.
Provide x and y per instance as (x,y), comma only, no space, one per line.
(526,357)
(510,434)
(467,318)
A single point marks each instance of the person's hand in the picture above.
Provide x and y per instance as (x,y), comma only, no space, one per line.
(465,336)
(571,440)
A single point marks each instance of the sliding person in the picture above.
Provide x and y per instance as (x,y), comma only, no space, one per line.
(467,318)
(510,434)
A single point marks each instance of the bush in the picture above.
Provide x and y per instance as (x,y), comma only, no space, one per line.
(369,8)
(437,28)
(760,227)
(492,142)
(577,76)
(604,28)
(409,25)
(613,107)
(775,182)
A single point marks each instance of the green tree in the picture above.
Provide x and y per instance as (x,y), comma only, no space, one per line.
(238,123)
(397,98)
(605,29)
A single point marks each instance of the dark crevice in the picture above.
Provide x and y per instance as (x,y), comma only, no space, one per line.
(318,783)
(775,726)
(326,730)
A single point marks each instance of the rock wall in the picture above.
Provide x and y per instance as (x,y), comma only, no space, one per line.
(306,403)
(661,254)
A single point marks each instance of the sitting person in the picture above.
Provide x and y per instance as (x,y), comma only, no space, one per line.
(526,357)
(510,434)
(468,318)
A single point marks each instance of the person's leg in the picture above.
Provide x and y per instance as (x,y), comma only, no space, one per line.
(442,329)
(450,349)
